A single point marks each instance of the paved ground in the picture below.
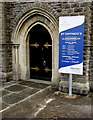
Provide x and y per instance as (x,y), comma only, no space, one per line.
(14,92)
(25,99)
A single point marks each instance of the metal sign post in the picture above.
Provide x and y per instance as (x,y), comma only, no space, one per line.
(71,42)
(70,84)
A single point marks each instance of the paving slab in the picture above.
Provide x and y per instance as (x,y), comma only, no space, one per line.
(4,105)
(26,100)
(16,97)
(47,104)
(12,93)
(15,88)
(7,84)
(29,107)
(4,92)
(33,84)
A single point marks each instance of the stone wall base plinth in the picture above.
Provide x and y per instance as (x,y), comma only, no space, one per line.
(79,88)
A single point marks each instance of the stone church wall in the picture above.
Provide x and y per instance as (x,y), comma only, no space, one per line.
(1,37)
(91,51)
(6,44)
(79,81)
(13,11)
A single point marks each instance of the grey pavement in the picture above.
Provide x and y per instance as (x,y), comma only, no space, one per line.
(27,100)
(16,91)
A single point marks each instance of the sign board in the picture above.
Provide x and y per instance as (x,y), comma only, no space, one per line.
(71,40)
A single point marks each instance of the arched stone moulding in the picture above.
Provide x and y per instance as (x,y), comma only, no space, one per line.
(20,39)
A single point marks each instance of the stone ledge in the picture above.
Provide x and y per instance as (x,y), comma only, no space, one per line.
(79,88)
(5,76)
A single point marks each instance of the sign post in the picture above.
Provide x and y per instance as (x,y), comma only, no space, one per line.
(70,84)
(71,40)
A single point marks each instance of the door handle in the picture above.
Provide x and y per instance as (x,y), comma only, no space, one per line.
(44,63)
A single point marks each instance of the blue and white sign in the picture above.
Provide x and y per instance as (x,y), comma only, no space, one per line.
(71,40)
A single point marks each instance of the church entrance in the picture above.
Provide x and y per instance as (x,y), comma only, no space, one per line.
(40,50)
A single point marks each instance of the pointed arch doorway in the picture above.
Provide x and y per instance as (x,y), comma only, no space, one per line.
(40,53)
(21,45)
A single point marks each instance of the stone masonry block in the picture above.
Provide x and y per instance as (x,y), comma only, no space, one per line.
(78,9)
(79,88)
(65,6)
(75,5)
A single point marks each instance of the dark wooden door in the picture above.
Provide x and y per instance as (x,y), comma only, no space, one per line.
(40,53)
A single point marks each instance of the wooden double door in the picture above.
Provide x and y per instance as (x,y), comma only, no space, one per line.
(40,46)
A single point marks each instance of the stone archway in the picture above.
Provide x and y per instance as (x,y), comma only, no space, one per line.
(21,42)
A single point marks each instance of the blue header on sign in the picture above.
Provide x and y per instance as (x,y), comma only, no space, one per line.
(71,46)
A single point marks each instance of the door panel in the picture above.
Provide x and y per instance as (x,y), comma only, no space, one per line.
(40,45)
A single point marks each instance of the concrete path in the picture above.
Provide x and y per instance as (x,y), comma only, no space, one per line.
(33,100)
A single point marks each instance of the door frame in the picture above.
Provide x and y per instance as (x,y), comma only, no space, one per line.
(27,47)
(20,43)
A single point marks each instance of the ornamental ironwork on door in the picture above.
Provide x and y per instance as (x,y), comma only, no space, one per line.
(40,45)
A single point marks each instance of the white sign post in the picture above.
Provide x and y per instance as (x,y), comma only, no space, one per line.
(70,84)
(71,40)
